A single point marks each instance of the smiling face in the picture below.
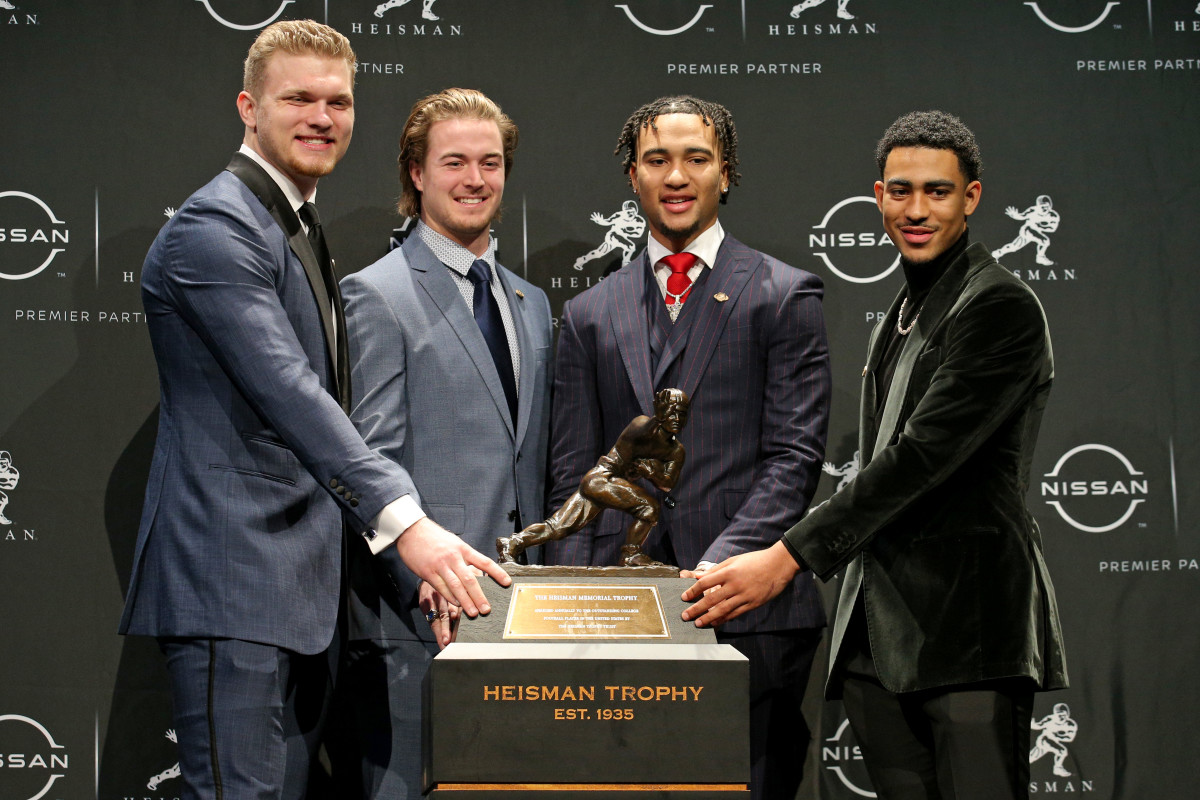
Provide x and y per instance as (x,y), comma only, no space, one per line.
(680,175)
(925,201)
(461,180)
(303,118)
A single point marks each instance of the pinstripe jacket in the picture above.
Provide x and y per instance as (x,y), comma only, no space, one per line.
(754,360)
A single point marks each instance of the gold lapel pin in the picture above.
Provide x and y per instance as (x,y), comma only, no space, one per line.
(720,297)
(519,293)
(864,372)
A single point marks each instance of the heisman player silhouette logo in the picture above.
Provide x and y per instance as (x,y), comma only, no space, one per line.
(1055,731)
(8,480)
(847,472)
(168,773)
(800,8)
(1039,221)
(623,228)
(426,8)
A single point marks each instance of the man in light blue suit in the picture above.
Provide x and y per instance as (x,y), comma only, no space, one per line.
(238,567)
(450,362)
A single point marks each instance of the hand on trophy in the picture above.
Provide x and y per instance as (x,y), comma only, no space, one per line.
(739,584)
(445,561)
(440,613)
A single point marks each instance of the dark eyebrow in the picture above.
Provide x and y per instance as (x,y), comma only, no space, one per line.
(463,156)
(938,183)
(662,151)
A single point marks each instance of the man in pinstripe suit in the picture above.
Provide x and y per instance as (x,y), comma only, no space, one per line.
(743,335)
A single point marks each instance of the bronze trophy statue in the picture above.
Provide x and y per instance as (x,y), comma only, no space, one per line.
(647,449)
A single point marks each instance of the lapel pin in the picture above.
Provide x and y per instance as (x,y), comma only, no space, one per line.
(864,372)
(720,297)
(519,293)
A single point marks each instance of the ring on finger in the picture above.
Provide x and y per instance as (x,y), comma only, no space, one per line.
(431,616)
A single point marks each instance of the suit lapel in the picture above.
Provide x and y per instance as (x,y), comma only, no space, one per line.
(888,422)
(937,304)
(868,422)
(434,277)
(631,327)
(272,197)
(729,277)
(516,306)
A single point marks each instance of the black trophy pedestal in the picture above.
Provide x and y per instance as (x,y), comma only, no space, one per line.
(573,688)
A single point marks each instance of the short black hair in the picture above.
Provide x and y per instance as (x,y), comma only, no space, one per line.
(936,130)
(713,114)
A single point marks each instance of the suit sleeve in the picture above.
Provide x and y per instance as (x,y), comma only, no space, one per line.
(795,421)
(575,430)
(380,410)
(994,357)
(223,277)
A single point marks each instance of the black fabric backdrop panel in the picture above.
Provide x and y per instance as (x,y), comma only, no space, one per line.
(117,111)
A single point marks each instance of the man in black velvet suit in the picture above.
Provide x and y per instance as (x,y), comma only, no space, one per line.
(947,621)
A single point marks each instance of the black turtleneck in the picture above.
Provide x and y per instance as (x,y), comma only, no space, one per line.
(918,279)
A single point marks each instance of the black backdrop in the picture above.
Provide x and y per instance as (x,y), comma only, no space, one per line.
(116,111)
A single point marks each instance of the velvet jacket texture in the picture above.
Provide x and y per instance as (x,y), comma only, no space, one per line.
(934,532)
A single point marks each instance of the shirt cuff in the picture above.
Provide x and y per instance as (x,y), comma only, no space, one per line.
(394,520)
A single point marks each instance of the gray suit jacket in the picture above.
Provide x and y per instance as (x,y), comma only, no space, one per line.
(427,397)
(933,531)
(241,533)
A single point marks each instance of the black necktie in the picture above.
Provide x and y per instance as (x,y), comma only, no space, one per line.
(487,316)
(316,238)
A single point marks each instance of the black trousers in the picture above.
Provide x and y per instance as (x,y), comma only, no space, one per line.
(967,742)
(779,735)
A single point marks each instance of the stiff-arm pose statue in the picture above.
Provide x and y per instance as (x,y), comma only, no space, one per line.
(648,448)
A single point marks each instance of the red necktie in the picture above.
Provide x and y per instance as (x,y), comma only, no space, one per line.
(678,282)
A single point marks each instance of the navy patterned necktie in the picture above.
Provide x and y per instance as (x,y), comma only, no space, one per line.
(487,316)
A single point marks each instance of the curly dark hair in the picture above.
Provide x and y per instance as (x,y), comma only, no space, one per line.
(713,114)
(933,129)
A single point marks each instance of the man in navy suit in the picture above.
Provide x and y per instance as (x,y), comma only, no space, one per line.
(431,396)
(742,334)
(237,568)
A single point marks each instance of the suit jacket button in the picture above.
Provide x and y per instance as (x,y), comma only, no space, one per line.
(669,501)
(333,483)
(512,515)
(354,502)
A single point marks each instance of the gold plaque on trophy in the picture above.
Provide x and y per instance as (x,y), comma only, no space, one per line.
(585,611)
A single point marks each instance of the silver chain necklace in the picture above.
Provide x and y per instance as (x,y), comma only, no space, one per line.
(900,329)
